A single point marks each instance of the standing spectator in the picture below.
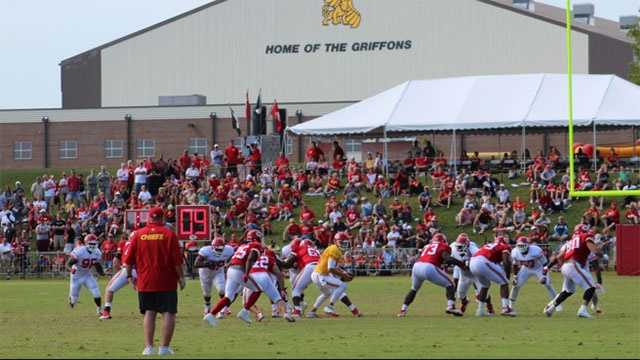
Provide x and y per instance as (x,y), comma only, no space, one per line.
(104,182)
(43,235)
(50,187)
(232,155)
(255,156)
(58,228)
(123,176)
(338,153)
(159,267)
(73,183)
(37,190)
(154,182)
(69,237)
(217,160)
(92,185)
(108,248)
(144,196)
(140,176)
(314,152)
(185,161)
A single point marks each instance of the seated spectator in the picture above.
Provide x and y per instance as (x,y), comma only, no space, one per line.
(560,230)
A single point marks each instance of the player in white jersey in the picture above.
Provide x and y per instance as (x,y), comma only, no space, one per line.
(463,249)
(119,279)
(211,262)
(293,271)
(82,259)
(528,261)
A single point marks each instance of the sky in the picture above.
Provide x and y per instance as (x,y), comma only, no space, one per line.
(35,35)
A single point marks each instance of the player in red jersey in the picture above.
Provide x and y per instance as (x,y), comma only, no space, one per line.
(304,256)
(261,279)
(119,279)
(485,267)
(575,270)
(428,267)
(238,273)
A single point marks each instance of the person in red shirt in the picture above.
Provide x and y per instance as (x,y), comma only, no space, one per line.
(155,252)
(184,161)
(238,274)
(611,215)
(73,183)
(574,255)
(232,156)
(485,267)
(314,152)
(429,268)
(304,256)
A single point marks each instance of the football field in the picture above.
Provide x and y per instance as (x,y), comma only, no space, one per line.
(35,321)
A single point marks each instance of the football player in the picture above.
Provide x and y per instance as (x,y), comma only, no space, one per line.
(331,279)
(574,255)
(305,257)
(238,273)
(260,281)
(492,263)
(81,260)
(211,262)
(528,261)
(119,279)
(428,267)
(463,249)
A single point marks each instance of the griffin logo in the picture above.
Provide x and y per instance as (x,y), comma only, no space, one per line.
(340,12)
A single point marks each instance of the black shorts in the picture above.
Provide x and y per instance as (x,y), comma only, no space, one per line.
(160,301)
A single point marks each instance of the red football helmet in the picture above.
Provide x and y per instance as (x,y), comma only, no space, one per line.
(341,239)
(254,236)
(218,245)
(439,237)
(500,239)
(463,238)
(91,241)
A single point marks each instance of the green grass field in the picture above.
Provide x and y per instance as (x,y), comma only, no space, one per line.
(35,321)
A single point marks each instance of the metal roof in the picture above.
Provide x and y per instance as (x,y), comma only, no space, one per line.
(552,14)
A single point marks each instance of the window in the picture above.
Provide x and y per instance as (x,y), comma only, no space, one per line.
(113,149)
(68,149)
(352,146)
(198,146)
(289,145)
(146,148)
(22,150)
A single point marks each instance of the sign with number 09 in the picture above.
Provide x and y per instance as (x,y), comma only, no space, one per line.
(192,222)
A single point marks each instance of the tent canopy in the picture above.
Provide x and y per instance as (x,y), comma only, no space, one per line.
(484,102)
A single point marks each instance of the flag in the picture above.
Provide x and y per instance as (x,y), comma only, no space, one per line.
(247,108)
(275,114)
(259,103)
(234,122)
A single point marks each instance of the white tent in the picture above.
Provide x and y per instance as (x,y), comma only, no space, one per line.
(484,102)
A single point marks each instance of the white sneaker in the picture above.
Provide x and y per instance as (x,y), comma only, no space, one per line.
(289,318)
(99,310)
(147,351)
(549,309)
(583,312)
(481,311)
(244,316)
(559,308)
(329,310)
(259,316)
(207,308)
(165,350)
(311,315)
(210,319)
(220,315)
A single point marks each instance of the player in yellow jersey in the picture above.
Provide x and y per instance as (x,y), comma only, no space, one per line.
(331,279)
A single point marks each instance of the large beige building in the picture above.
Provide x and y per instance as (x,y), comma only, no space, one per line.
(315,56)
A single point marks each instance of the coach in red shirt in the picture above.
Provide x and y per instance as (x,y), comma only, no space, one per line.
(155,253)
(232,155)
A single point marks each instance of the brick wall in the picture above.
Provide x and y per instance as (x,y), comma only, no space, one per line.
(172,137)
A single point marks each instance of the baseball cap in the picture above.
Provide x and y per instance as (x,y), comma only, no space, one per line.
(156,212)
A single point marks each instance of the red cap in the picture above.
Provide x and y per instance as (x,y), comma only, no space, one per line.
(156,213)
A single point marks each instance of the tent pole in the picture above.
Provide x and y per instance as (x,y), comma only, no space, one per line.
(454,152)
(386,154)
(595,151)
(523,164)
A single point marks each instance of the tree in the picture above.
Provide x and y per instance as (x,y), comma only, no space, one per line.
(634,71)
